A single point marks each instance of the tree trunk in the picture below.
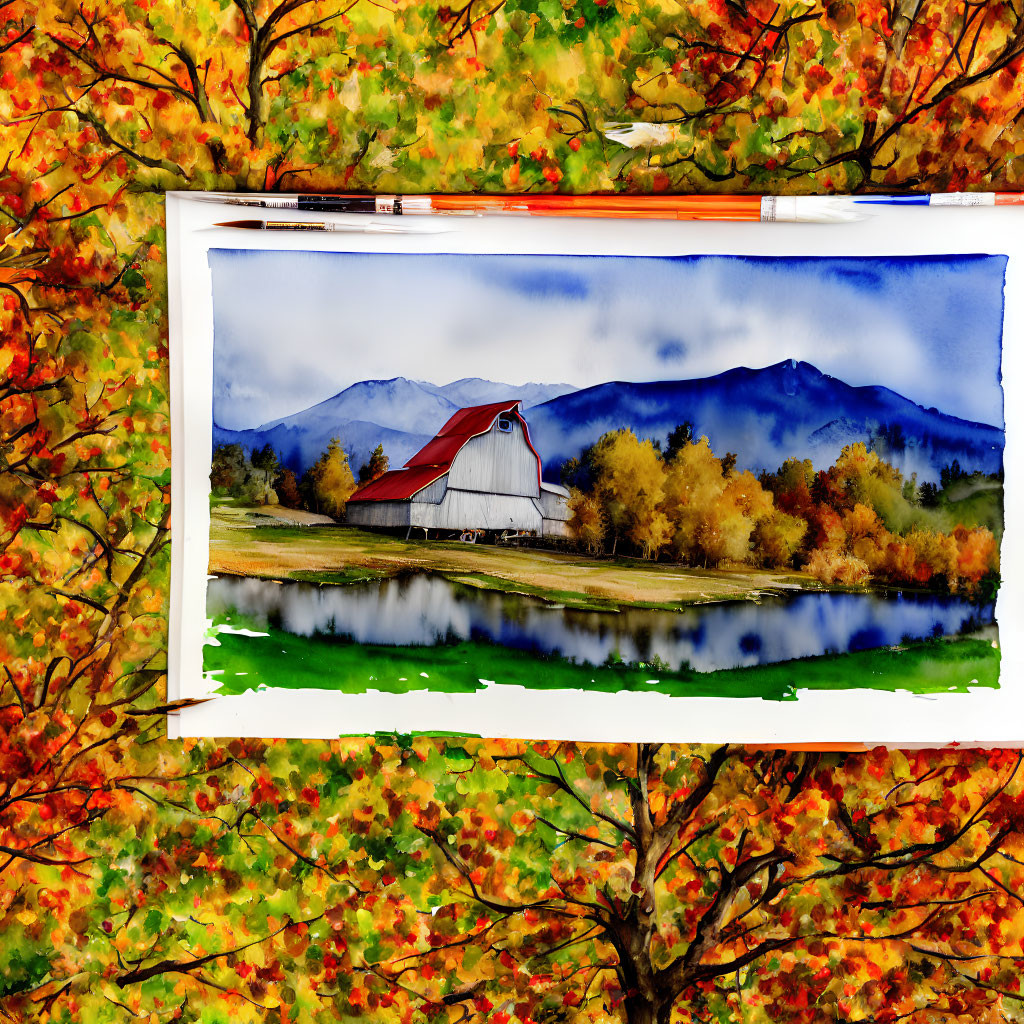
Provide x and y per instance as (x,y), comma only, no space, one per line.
(645,1003)
(254,86)
(641,1011)
(254,75)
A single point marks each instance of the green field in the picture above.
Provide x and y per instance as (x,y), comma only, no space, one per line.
(242,662)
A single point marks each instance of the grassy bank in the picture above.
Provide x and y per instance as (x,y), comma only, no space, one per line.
(249,542)
(279,659)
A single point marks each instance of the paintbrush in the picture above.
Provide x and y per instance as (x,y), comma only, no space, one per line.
(372,227)
(945,199)
(809,209)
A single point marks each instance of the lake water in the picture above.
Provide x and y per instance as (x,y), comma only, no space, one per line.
(425,610)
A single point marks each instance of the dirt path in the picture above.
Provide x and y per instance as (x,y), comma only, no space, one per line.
(248,518)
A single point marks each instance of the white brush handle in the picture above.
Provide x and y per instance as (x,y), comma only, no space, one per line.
(810,209)
(962,199)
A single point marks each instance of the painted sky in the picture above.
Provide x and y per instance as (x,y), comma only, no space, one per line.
(291,329)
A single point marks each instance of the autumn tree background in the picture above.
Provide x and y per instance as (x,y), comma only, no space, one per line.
(437,880)
(859,519)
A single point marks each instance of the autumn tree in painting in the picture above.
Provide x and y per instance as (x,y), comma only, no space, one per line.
(329,482)
(847,524)
(629,487)
(287,487)
(375,466)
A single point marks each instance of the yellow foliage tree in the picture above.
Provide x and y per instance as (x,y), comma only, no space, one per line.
(867,478)
(866,536)
(333,482)
(778,537)
(714,514)
(732,517)
(831,566)
(631,479)
(693,484)
(940,552)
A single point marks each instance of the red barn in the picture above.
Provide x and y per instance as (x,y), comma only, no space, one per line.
(481,472)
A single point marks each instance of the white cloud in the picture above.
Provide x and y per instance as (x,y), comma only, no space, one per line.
(292,329)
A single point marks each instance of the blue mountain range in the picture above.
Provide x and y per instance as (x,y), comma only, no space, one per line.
(402,415)
(790,409)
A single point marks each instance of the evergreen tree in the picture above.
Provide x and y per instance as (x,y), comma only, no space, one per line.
(678,438)
(951,474)
(265,467)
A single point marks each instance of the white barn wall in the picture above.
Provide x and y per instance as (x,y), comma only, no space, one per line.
(471,510)
(459,510)
(377,513)
(555,528)
(554,502)
(498,463)
(434,492)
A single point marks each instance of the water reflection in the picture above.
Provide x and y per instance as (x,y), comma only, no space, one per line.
(425,610)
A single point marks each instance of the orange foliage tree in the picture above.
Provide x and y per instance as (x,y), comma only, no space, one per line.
(470,881)
(845,524)
(247,880)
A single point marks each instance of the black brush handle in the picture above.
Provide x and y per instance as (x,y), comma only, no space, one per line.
(351,204)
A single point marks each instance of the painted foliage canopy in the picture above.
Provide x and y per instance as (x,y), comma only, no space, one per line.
(448,880)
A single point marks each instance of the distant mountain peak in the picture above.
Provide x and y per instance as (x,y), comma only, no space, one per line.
(496,384)
(798,367)
(789,409)
(766,415)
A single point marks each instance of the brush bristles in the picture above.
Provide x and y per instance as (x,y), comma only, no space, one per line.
(634,135)
(840,215)
(812,209)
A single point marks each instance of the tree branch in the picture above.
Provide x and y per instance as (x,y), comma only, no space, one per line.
(187,966)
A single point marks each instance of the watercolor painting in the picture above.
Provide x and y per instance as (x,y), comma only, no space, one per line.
(709,476)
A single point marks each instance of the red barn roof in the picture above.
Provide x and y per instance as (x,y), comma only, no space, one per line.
(399,484)
(435,458)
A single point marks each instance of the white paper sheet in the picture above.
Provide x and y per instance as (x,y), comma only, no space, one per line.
(985,716)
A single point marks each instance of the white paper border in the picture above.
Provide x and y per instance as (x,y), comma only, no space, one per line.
(982,716)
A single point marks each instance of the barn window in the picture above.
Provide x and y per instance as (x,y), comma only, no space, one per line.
(504,424)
